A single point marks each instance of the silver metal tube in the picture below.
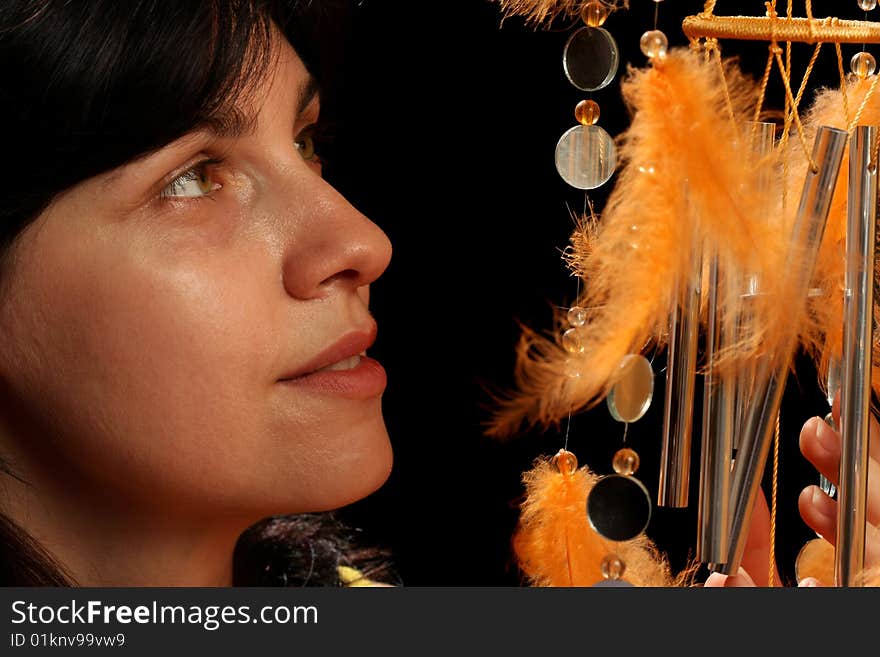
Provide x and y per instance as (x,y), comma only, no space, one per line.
(809,227)
(719,392)
(762,139)
(747,371)
(678,405)
(855,390)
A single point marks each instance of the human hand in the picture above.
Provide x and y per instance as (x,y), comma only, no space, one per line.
(820,444)
(755,566)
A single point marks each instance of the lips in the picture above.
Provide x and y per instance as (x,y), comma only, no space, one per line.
(341,370)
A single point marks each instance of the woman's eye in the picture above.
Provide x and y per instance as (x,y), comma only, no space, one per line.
(196,182)
(305,144)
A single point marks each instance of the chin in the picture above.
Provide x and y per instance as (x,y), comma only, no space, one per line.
(365,476)
(357,468)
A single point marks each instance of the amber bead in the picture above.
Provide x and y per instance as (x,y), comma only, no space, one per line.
(654,44)
(612,567)
(594,14)
(587,112)
(626,461)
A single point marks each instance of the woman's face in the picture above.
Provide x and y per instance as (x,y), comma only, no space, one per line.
(162,325)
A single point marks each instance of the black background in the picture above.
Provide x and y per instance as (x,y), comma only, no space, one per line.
(447,123)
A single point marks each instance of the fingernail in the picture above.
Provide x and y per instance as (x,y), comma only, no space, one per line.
(715,580)
(808,582)
(744,576)
(826,436)
(822,503)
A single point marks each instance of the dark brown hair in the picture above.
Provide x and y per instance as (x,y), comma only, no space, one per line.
(88,86)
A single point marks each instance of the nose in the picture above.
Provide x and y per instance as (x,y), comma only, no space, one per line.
(333,246)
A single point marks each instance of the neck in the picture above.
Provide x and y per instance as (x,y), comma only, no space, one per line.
(104,543)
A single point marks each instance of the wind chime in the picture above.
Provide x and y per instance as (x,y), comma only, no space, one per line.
(716,226)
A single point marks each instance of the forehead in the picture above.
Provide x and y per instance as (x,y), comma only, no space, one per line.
(287,85)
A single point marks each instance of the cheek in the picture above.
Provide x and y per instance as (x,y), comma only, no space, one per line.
(158,376)
(153,374)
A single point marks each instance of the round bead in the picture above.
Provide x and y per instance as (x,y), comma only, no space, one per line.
(573,368)
(612,567)
(587,112)
(594,14)
(565,462)
(626,461)
(654,44)
(867,5)
(863,64)
(577,316)
(572,341)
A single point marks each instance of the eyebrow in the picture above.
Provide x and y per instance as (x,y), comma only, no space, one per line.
(234,124)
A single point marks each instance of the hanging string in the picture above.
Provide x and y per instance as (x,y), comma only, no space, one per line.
(795,103)
(764,82)
(858,116)
(712,46)
(842,82)
(772,575)
(577,296)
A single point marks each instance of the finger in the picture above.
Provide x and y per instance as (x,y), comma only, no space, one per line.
(740,580)
(808,582)
(874,432)
(820,513)
(756,554)
(820,444)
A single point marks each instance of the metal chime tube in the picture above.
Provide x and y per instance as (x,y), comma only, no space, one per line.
(770,383)
(719,392)
(678,407)
(855,391)
(762,138)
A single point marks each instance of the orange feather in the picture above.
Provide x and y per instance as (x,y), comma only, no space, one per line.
(545,11)
(687,181)
(555,545)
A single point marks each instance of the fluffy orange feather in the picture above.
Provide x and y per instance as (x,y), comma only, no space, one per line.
(545,11)
(688,182)
(555,544)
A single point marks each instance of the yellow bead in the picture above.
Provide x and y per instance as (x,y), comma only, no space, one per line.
(654,44)
(587,112)
(565,462)
(594,14)
(863,64)
(613,567)
(625,462)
